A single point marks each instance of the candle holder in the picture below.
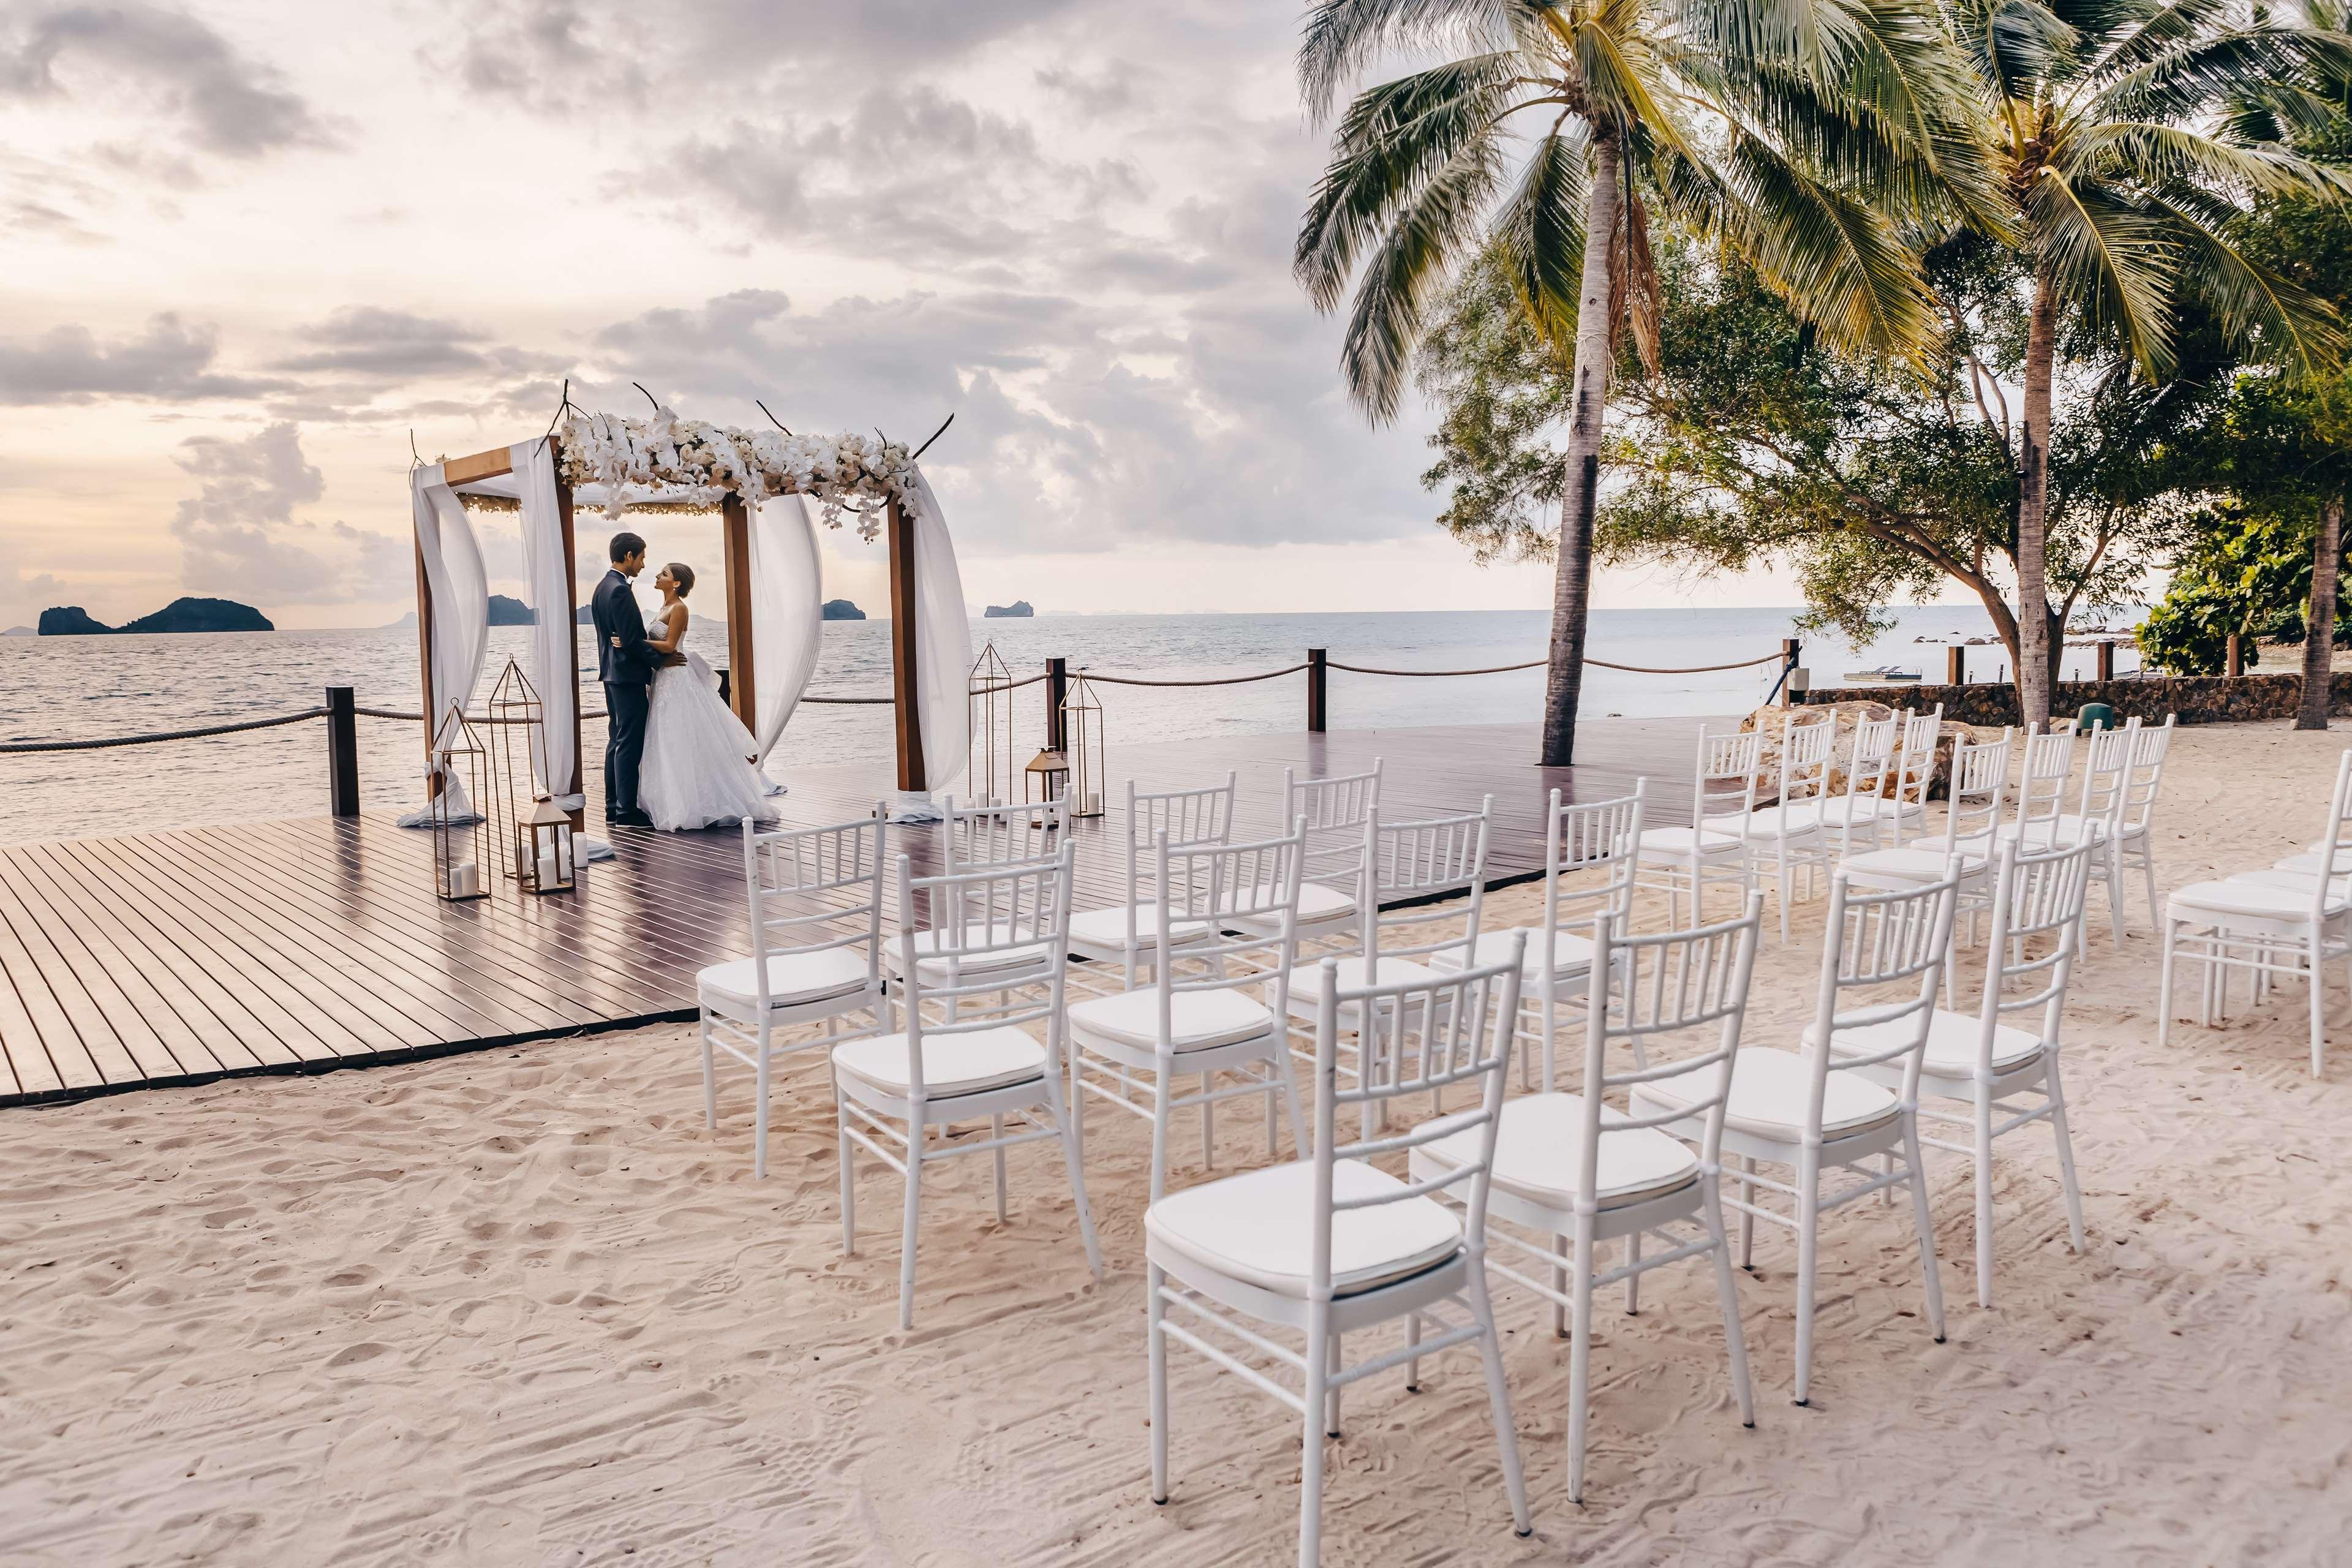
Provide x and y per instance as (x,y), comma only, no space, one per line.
(459,777)
(1082,733)
(1047,778)
(988,756)
(518,743)
(552,865)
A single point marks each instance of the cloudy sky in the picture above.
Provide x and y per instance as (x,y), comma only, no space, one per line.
(249,251)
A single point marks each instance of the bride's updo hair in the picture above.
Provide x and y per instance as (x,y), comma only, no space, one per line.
(683,575)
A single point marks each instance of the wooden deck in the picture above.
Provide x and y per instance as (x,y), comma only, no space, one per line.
(309,944)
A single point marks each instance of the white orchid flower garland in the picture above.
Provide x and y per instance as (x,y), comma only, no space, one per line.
(712,462)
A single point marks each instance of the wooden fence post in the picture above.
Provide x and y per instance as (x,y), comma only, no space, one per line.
(1058,691)
(343,751)
(2237,654)
(1317,690)
(2108,659)
(1956,665)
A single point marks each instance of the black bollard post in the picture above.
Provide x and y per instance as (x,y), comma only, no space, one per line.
(1318,678)
(343,751)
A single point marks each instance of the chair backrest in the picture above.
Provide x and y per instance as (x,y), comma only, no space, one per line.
(1026,906)
(1335,811)
(815,889)
(1730,766)
(1805,753)
(1978,786)
(2041,785)
(1882,963)
(2150,747)
(1204,893)
(1422,1037)
(2107,773)
(1183,817)
(1915,766)
(2335,847)
(1604,838)
(1002,834)
(1681,986)
(1873,757)
(2037,893)
(1413,870)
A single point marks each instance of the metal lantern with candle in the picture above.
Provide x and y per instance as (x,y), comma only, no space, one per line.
(1082,734)
(458,778)
(1047,777)
(518,742)
(988,758)
(551,864)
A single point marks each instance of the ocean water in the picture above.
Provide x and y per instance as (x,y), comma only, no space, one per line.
(84,688)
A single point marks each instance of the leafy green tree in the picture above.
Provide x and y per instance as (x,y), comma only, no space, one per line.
(1809,136)
(1752,442)
(2248,575)
(2127,176)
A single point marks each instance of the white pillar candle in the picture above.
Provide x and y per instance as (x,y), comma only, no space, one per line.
(547,874)
(464,879)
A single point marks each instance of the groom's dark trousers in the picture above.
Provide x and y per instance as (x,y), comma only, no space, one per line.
(624,670)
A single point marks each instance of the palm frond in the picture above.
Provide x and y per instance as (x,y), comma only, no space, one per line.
(1340,39)
(1837,260)
(1394,139)
(2197,78)
(2159,154)
(2278,321)
(2109,259)
(1539,234)
(1426,236)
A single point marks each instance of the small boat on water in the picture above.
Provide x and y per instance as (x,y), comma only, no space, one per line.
(1883,673)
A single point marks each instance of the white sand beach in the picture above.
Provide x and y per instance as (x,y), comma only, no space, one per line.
(521,1308)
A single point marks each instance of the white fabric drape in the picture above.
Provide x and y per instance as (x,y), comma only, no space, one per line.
(547,570)
(787,611)
(943,645)
(461,587)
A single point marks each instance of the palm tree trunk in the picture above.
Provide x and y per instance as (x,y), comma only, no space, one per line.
(1572,586)
(2319,624)
(2035,659)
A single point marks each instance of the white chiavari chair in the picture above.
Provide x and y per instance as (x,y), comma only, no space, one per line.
(1127,934)
(1197,1018)
(1712,850)
(1577,1171)
(1979,789)
(1333,1247)
(1332,875)
(1789,835)
(971,1051)
(1882,959)
(816,912)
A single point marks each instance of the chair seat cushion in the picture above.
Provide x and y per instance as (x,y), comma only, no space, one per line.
(1108,928)
(1681,841)
(952,1064)
(1539,1155)
(1572,954)
(1319,903)
(1199,1020)
(793,978)
(1915,863)
(1770,1090)
(1259,1228)
(1801,820)
(1307,980)
(1021,955)
(2338,886)
(2252,899)
(2309,860)
(1951,1043)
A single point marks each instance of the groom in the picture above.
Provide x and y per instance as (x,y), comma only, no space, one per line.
(625,663)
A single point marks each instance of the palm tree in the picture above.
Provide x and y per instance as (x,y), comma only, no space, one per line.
(2124,180)
(1812,135)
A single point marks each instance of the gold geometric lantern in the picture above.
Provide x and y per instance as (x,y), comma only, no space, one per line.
(459,779)
(988,757)
(1082,734)
(548,865)
(518,742)
(1047,778)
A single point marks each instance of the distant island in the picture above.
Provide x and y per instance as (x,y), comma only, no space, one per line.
(1019,609)
(841,610)
(179,615)
(19,632)
(507,612)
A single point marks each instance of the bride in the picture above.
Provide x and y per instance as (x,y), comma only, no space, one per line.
(696,771)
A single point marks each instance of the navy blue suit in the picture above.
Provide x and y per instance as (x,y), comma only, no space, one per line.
(627,671)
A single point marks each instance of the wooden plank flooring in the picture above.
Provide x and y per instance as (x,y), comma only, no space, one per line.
(308,944)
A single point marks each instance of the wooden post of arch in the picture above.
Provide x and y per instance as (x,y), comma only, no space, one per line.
(735,540)
(901,545)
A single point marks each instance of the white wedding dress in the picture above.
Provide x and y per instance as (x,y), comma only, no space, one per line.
(697,771)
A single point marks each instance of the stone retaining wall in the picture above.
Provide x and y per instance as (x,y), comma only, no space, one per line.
(2197,699)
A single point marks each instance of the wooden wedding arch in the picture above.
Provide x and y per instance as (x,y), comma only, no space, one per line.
(735,551)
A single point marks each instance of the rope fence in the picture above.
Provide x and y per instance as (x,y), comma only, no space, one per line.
(1316,664)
